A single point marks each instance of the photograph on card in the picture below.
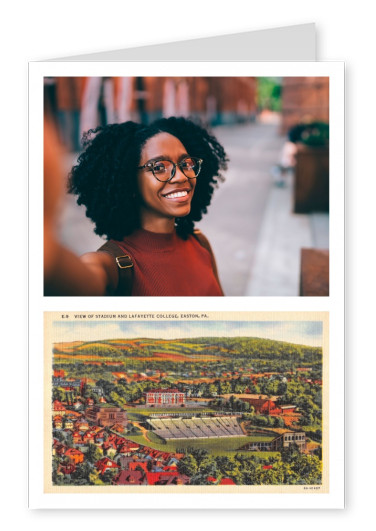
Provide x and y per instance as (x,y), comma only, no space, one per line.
(222,402)
(186,186)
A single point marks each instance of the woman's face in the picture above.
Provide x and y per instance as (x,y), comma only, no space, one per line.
(162,202)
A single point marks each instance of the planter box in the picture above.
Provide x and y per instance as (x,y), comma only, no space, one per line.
(314,273)
(311,185)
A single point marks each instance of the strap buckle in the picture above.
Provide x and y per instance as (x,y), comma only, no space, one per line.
(128,259)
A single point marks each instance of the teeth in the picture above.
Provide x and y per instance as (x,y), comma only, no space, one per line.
(177,194)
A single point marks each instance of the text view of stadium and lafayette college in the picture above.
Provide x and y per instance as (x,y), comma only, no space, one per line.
(175,402)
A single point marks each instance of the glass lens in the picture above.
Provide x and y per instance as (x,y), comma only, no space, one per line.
(190,166)
(162,169)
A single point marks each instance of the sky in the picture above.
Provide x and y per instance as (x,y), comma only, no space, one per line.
(300,332)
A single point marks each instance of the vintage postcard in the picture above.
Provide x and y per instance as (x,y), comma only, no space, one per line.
(186,402)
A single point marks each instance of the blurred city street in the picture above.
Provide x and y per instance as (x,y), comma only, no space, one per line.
(255,235)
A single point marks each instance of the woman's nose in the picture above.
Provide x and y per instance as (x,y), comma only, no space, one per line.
(178,176)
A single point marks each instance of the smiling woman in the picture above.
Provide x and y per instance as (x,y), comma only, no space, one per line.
(144,187)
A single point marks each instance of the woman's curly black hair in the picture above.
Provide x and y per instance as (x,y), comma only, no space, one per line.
(105,176)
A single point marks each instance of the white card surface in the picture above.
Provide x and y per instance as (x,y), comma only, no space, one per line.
(262,54)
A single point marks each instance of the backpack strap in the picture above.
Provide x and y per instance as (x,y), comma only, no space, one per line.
(204,242)
(124,265)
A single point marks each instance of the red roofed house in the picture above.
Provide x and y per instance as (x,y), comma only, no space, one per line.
(88,437)
(58,422)
(66,468)
(74,455)
(128,447)
(129,477)
(227,481)
(81,425)
(166,478)
(105,464)
(262,403)
(77,437)
(58,408)
(58,448)
(134,465)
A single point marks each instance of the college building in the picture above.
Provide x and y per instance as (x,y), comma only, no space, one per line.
(106,415)
(164,397)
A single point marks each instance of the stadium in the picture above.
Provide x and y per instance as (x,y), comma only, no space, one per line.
(196,427)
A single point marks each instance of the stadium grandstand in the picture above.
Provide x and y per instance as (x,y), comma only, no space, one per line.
(196,427)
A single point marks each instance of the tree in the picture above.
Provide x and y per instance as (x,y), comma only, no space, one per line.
(279,422)
(290,454)
(94,453)
(108,476)
(307,468)
(208,467)
(81,476)
(272,476)
(226,465)
(188,465)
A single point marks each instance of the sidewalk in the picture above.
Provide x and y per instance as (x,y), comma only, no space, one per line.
(276,267)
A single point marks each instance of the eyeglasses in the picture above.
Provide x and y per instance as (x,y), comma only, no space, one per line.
(165,170)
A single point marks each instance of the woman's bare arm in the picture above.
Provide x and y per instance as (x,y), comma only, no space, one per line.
(64,272)
(90,274)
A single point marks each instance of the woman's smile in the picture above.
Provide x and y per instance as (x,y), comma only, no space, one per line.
(179,195)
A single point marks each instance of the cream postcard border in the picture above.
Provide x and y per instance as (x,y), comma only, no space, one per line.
(286,317)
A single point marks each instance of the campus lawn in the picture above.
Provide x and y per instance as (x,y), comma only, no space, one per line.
(216,446)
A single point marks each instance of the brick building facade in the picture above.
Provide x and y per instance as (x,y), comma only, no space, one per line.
(106,415)
(304,99)
(164,397)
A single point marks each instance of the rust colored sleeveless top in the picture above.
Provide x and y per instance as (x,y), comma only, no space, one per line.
(166,265)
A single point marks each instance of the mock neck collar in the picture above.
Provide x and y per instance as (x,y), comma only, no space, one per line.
(153,241)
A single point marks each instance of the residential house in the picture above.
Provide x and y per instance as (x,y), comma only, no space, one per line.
(58,408)
(66,468)
(166,478)
(58,422)
(74,455)
(105,464)
(130,477)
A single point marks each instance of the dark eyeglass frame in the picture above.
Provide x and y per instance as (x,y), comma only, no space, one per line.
(150,166)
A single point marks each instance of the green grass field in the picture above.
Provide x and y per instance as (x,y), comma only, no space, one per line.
(216,446)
